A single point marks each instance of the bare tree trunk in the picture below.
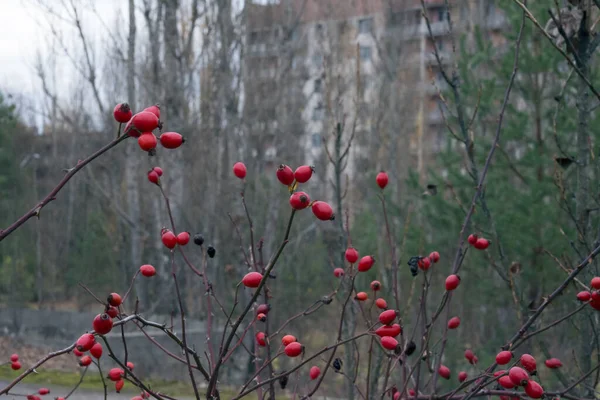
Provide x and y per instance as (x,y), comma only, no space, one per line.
(132,162)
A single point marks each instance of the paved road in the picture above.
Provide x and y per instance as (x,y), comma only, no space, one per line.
(81,394)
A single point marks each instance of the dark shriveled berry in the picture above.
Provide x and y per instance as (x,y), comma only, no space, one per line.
(337,364)
(198,239)
(211,251)
(283,381)
(410,348)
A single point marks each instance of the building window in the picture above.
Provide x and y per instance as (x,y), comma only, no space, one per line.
(318,85)
(364,53)
(365,25)
(316,140)
(442,14)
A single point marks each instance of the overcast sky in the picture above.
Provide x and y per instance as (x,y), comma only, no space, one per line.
(23,32)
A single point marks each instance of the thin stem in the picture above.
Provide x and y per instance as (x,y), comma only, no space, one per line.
(270,266)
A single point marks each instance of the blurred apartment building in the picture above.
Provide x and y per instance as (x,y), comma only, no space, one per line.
(309,64)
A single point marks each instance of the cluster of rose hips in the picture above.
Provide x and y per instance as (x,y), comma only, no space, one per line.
(477,242)
(116,375)
(298,200)
(444,371)
(520,377)
(14,362)
(593,296)
(142,126)
(292,348)
(170,240)
(41,392)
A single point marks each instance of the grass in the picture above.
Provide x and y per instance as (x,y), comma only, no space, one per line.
(92,382)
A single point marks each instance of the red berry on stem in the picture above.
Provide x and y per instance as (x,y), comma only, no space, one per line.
(285,175)
(153,177)
(148,270)
(424,263)
(119,385)
(351,255)
(147,141)
(131,130)
(114,299)
(14,357)
(444,372)
(366,263)
(85,342)
(261,339)
(169,239)
(303,173)
(293,349)
(112,312)
(155,109)
(43,391)
(503,357)
(158,170)
(261,317)
(528,362)
(102,324)
(387,317)
(183,238)
(381,303)
(472,239)
(389,342)
(506,382)
(595,282)
(77,352)
(15,366)
(553,363)
(96,350)
(375,286)
(287,339)
(462,376)
(299,200)
(115,374)
(382,179)
(239,170)
(469,354)
(122,113)
(361,296)
(518,376)
(145,121)
(453,323)
(130,365)
(85,361)
(534,390)
(322,211)
(584,296)
(392,331)
(171,140)
(434,256)
(338,272)
(481,244)
(252,279)
(263,308)
(314,372)
(452,282)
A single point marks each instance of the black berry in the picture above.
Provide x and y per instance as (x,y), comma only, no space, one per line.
(198,239)
(211,251)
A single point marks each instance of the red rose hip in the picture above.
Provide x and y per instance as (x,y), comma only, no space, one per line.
(239,170)
(285,175)
(382,179)
(303,173)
